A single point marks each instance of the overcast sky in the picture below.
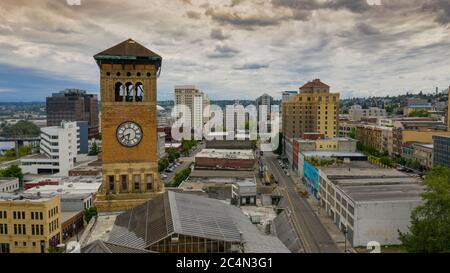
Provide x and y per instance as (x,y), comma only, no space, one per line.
(231,49)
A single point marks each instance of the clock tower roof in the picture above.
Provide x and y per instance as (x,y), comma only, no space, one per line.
(128,51)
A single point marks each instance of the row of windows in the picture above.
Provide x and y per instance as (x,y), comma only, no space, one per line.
(3,229)
(129,74)
(37,229)
(10,188)
(37,215)
(53,212)
(52,226)
(20,229)
(136,182)
(19,215)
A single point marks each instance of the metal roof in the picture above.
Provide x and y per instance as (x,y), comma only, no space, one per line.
(99,246)
(128,51)
(186,214)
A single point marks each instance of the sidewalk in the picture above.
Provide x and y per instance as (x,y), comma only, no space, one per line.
(327,221)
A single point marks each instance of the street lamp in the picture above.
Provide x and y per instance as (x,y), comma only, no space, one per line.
(345,239)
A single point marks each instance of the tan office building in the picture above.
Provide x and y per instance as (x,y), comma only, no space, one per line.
(29,225)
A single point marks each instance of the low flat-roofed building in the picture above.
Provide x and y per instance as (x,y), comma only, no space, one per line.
(244,193)
(216,183)
(29,223)
(225,159)
(93,168)
(70,185)
(73,202)
(8,185)
(370,202)
(229,144)
(423,153)
(183,223)
(71,223)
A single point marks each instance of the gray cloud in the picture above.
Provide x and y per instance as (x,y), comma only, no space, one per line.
(251,66)
(401,45)
(246,21)
(217,34)
(224,51)
(193,14)
(441,8)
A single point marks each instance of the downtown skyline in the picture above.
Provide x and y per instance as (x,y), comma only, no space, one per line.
(245,47)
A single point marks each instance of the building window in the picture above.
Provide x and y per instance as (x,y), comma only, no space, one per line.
(137,180)
(123,179)
(111,182)
(149,182)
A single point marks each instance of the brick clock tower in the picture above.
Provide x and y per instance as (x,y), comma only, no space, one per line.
(128,74)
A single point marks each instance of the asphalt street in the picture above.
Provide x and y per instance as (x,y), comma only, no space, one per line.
(312,233)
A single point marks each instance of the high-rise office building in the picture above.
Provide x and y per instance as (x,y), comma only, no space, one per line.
(194,99)
(128,76)
(267,101)
(74,105)
(313,110)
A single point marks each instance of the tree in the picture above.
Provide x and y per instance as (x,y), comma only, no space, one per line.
(180,177)
(419,113)
(430,222)
(173,154)
(21,128)
(12,171)
(89,213)
(352,133)
(94,149)
(163,164)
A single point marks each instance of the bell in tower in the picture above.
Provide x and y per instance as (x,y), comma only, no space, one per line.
(128,75)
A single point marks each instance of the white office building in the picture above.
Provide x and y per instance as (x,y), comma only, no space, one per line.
(59,148)
(356,113)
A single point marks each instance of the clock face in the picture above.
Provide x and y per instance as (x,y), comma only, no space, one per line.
(129,134)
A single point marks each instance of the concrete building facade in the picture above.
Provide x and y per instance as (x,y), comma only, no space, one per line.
(370,203)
